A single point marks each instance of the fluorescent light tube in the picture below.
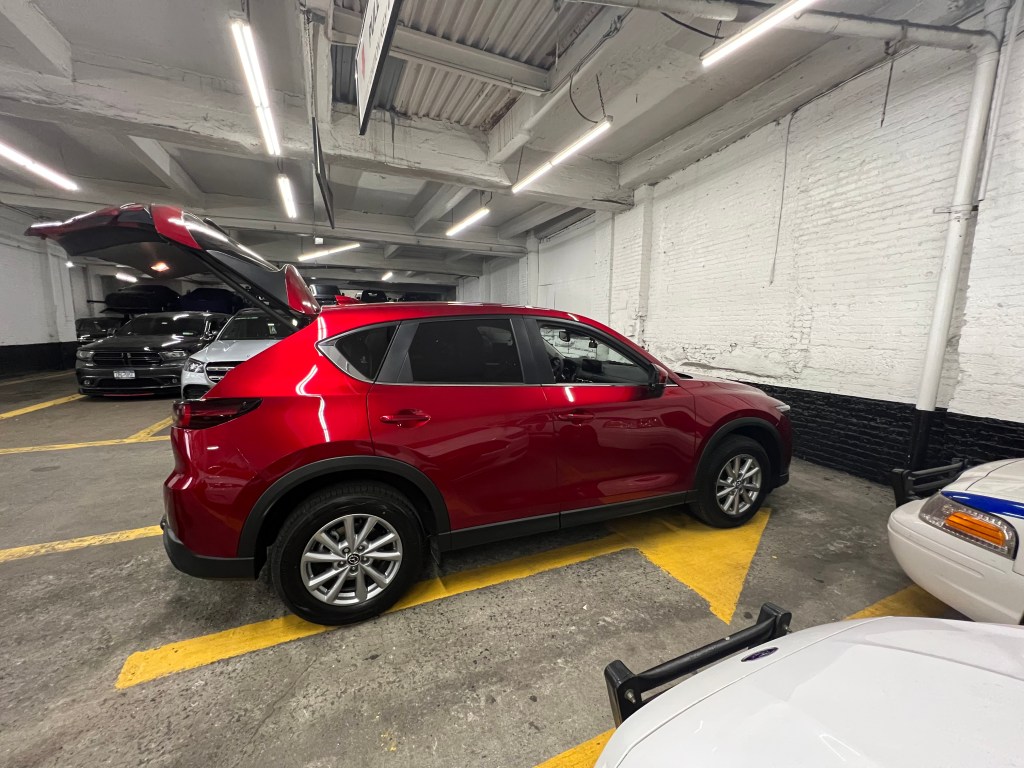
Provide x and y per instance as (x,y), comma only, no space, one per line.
(474,217)
(126,278)
(387,275)
(766,21)
(285,185)
(245,44)
(328,251)
(562,156)
(539,171)
(38,169)
(69,263)
(582,141)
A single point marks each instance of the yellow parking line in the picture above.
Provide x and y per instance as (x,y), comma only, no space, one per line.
(581,756)
(31,550)
(93,444)
(150,431)
(144,666)
(657,537)
(912,601)
(39,406)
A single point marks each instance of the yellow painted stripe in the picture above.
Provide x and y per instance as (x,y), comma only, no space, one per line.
(152,430)
(196,652)
(912,601)
(93,444)
(582,756)
(39,406)
(19,553)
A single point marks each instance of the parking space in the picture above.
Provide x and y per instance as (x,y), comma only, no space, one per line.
(494,658)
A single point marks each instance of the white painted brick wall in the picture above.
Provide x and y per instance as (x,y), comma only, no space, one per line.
(503,282)
(574,270)
(990,360)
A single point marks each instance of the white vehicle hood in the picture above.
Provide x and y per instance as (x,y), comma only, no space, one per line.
(1000,479)
(894,692)
(233,351)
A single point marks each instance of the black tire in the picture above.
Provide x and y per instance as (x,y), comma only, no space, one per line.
(706,508)
(319,510)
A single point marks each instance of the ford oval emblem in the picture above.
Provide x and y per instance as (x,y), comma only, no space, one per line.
(759,654)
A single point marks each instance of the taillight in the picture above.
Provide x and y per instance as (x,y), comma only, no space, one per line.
(200,414)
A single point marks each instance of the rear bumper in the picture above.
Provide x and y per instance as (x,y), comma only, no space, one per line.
(203,566)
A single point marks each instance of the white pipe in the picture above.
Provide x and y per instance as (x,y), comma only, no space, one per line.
(962,208)
(821,22)
(1005,62)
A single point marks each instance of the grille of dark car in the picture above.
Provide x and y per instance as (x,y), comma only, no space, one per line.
(217,371)
(126,358)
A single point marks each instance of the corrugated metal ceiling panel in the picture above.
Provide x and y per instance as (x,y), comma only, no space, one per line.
(524,30)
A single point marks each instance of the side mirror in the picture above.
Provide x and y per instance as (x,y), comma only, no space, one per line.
(657,382)
(563,336)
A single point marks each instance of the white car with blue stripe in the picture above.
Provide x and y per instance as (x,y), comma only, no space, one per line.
(963,544)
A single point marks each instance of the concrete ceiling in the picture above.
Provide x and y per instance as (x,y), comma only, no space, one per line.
(144,101)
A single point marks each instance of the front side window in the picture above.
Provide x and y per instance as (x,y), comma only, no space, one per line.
(476,351)
(579,357)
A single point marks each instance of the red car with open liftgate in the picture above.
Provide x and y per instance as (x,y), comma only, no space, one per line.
(374,434)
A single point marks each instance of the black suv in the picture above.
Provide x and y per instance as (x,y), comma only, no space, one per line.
(146,355)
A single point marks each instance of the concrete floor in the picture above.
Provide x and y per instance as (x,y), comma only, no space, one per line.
(508,675)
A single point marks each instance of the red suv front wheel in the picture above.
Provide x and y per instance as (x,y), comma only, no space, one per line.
(347,553)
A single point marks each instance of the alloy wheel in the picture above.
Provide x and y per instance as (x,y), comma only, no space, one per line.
(351,560)
(738,484)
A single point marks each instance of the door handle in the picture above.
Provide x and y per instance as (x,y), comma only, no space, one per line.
(405,418)
(576,417)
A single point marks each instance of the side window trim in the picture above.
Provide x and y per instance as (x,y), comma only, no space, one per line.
(597,334)
(329,349)
(396,361)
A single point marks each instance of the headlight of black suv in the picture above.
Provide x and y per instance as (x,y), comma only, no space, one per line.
(84,354)
(194,366)
(174,354)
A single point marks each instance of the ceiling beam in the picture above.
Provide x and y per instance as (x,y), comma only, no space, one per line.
(442,201)
(159,162)
(205,118)
(411,45)
(42,48)
(592,48)
(829,65)
(532,218)
(391,250)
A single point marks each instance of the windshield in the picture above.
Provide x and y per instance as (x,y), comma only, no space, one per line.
(164,325)
(252,327)
(96,324)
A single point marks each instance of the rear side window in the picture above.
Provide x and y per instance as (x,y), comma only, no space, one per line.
(476,351)
(361,353)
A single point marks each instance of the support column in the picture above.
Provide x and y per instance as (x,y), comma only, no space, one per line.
(532,269)
(645,198)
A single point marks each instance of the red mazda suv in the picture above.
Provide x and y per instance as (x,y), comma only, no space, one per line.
(377,433)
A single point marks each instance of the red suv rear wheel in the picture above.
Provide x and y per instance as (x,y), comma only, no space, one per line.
(347,553)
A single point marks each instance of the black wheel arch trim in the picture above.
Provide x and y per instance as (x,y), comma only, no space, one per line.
(729,428)
(439,523)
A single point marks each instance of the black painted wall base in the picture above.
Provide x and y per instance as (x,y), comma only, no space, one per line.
(868,438)
(20,359)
